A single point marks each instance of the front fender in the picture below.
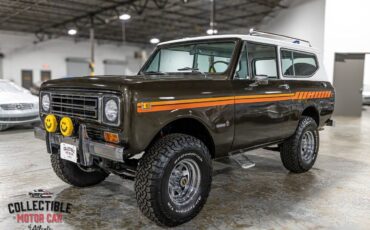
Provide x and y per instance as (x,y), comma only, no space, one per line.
(147,125)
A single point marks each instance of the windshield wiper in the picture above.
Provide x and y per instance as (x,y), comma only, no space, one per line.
(195,70)
(153,72)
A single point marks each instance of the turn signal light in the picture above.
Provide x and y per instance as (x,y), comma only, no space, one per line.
(111,137)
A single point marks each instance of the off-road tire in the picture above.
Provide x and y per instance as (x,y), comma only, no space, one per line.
(70,173)
(151,183)
(290,151)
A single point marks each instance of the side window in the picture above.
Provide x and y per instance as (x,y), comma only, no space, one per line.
(304,64)
(287,63)
(298,64)
(242,67)
(263,60)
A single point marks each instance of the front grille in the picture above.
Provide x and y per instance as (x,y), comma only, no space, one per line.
(18,118)
(17,106)
(73,105)
(95,134)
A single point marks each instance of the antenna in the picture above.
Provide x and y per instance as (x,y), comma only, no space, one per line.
(254,32)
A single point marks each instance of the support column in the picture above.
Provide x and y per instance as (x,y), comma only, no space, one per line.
(212,22)
(92,47)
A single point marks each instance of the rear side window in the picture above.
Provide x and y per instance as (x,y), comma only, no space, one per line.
(298,64)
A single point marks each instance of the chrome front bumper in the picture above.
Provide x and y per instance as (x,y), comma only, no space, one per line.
(86,147)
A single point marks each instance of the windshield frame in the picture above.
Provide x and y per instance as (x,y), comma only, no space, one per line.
(228,72)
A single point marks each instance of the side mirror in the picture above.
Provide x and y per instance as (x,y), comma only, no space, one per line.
(260,80)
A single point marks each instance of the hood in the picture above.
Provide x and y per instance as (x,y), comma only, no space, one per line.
(115,82)
(14,98)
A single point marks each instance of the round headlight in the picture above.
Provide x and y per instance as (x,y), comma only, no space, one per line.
(45,102)
(111,110)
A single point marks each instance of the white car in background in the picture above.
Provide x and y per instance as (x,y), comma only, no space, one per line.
(17,106)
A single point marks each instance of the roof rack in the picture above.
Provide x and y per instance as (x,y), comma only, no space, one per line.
(254,32)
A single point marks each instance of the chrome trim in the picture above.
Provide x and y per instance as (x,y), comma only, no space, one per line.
(253,32)
(100,110)
(86,147)
(103,109)
(17,106)
(41,109)
(75,97)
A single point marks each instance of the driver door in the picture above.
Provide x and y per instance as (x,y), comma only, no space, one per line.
(263,111)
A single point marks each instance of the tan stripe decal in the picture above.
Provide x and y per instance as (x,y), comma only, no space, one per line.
(155,106)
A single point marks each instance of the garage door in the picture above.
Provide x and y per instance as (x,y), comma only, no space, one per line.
(77,67)
(115,67)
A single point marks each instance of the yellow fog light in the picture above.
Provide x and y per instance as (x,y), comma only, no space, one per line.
(50,123)
(66,126)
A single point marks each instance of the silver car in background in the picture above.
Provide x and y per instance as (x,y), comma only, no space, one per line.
(17,106)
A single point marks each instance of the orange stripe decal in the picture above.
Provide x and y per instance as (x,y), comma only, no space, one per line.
(185,106)
(305,95)
(297,95)
(168,105)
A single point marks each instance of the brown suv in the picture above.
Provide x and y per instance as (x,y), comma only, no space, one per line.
(194,100)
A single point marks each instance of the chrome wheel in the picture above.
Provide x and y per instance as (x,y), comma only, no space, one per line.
(184,181)
(308,146)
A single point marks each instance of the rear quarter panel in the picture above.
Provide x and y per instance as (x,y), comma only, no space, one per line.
(318,94)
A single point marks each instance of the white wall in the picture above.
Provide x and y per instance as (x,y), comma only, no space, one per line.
(302,19)
(20,53)
(347,30)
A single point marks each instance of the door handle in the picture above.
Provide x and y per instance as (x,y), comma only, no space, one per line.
(284,86)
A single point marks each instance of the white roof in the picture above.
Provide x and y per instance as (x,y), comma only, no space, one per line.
(255,38)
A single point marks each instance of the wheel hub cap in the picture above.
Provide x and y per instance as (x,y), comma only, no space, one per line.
(308,146)
(184,181)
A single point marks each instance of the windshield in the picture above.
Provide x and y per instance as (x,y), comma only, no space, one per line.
(210,57)
(9,87)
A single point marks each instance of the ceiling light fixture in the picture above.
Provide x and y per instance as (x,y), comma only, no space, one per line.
(212,31)
(154,40)
(125,17)
(72,32)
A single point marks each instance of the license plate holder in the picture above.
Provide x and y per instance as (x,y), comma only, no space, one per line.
(68,152)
